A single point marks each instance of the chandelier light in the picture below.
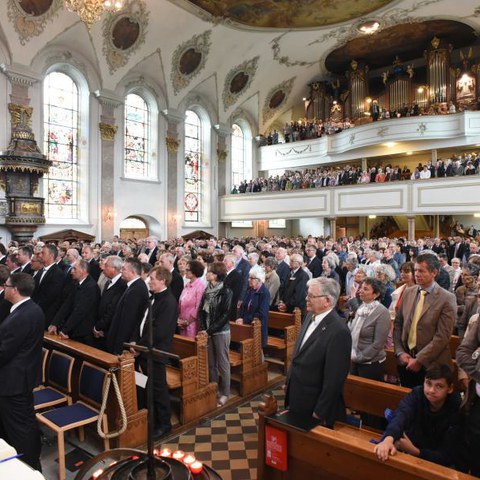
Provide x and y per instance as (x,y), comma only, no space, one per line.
(90,11)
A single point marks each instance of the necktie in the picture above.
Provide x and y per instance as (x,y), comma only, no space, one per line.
(412,334)
(107,284)
(41,274)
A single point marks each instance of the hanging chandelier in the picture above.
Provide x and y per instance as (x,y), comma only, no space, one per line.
(90,11)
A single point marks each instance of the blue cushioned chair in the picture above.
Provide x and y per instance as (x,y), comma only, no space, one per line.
(57,389)
(90,388)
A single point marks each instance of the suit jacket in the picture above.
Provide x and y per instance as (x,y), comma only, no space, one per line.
(78,312)
(164,323)
(318,371)
(315,266)
(176,286)
(108,303)
(234,282)
(48,293)
(243,268)
(295,291)
(21,339)
(434,327)
(5,307)
(27,268)
(128,316)
(153,257)
(283,272)
(94,269)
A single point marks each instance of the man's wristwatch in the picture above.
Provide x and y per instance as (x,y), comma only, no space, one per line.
(475,355)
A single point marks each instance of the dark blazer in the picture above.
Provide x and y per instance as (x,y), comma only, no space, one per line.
(21,339)
(283,272)
(234,282)
(128,316)
(94,269)
(176,286)
(5,307)
(78,312)
(295,291)
(315,266)
(243,267)
(108,303)
(164,322)
(153,257)
(27,268)
(317,375)
(48,294)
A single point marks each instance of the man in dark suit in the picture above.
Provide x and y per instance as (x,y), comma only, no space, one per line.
(321,359)
(130,308)
(152,249)
(21,338)
(112,292)
(283,268)
(423,324)
(5,305)
(176,285)
(78,312)
(294,293)
(313,262)
(457,249)
(233,281)
(164,315)
(243,267)
(93,266)
(24,258)
(49,284)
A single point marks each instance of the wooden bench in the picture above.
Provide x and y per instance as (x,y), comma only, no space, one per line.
(281,347)
(248,368)
(340,454)
(123,366)
(188,381)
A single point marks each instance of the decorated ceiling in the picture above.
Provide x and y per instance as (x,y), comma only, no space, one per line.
(283,14)
(245,57)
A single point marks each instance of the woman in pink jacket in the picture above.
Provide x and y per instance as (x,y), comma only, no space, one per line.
(190,300)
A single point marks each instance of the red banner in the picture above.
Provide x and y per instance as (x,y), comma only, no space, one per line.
(276,448)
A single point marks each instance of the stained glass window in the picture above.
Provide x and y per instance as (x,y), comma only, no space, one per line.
(136,137)
(238,155)
(193,167)
(61,116)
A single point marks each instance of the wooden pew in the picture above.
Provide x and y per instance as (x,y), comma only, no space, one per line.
(454,343)
(247,365)
(341,454)
(369,396)
(188,380)
(282,348)
(123,367)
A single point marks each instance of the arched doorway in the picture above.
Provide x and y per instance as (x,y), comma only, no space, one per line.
(133,228)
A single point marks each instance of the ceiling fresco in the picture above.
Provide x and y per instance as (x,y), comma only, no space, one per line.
(289,13)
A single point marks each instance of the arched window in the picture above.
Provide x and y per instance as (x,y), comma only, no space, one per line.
(242,152)
(137,138)
(192,202)
(61,130)
(238,155)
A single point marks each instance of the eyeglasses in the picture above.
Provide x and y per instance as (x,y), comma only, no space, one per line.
(310,296)
(8,286)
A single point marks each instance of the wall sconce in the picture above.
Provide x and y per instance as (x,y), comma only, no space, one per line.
(422,89)
(109,214)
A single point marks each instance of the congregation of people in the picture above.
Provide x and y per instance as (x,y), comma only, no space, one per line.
(457,165)
(358,298)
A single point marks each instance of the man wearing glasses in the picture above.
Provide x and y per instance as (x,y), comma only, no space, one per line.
(21,338)
(321,359)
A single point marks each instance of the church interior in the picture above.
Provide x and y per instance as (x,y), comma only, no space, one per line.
(167,117)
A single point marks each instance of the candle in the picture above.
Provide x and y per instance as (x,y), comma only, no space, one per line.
(196,467)
(188,460)
(178,455)
(165,452)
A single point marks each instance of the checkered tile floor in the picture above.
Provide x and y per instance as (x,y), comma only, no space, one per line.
(228,443)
